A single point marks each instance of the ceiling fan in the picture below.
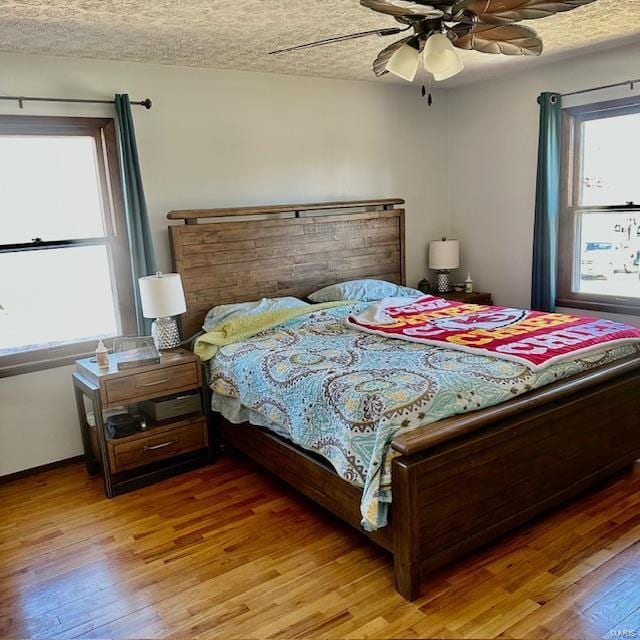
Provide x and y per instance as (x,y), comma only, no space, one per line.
(438,27)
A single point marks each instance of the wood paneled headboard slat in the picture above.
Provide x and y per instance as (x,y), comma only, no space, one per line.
(225,260)
(189,215)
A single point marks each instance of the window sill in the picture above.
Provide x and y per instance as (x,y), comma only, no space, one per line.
(612,306)
(16,364)
(40,365)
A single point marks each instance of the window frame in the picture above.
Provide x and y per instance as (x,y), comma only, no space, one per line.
(571,209)
(115,239)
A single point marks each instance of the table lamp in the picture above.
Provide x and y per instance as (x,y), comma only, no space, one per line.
(162,298)
(444,255)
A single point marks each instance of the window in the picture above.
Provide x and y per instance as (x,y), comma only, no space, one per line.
(65,278)
(599,243)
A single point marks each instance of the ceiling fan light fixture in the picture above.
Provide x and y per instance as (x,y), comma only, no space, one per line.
(404,63)
(453,70)
(441,58)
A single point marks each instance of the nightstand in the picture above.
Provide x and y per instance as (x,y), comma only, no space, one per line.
(477,297)
(164,448)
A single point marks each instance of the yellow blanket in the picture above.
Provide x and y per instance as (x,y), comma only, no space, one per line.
(245,327)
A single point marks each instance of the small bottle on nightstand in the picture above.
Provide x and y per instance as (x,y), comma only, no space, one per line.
(468,284)
(102,355)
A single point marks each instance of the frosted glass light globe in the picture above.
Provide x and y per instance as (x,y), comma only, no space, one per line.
(404,63)
(441,58)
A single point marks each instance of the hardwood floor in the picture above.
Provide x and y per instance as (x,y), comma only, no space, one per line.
(228,551)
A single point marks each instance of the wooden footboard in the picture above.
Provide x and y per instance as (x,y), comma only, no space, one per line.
(452,496)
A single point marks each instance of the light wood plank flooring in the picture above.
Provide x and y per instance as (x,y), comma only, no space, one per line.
(228,551)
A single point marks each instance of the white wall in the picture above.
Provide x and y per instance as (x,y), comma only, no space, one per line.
(492,156)
(219,138)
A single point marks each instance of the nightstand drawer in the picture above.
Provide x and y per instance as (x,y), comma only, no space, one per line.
(142,386)
(157,444)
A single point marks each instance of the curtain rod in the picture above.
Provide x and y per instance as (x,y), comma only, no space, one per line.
(22,99)
(631,84)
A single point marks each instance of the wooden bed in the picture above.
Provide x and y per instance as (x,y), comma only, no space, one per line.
(458,483)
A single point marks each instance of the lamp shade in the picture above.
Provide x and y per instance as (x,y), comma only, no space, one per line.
(404,63)
(441,58)
(162,295)
(444,254)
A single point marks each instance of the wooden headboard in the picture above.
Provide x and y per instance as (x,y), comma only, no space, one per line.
(241,254)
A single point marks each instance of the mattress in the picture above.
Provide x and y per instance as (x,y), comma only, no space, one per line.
(346,395)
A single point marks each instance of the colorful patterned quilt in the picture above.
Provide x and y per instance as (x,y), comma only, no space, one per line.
(345,394)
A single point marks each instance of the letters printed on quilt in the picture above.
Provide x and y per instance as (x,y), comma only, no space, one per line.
(532,338)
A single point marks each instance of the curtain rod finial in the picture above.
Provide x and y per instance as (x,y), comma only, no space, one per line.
(146,103)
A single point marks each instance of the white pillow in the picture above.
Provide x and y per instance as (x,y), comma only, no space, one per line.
(224,312)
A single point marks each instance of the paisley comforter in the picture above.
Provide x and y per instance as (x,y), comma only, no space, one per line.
(345,394)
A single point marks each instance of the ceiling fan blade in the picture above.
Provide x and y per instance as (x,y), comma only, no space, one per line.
(508,39)
(403,8)
(504,11)
(392,31)
(380,63)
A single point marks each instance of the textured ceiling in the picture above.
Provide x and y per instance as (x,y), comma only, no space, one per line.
(237,34)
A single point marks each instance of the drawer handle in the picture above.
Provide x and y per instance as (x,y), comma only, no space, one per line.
(153,384)
(159,446)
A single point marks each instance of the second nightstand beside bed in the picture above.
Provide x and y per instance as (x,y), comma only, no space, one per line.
(165,447)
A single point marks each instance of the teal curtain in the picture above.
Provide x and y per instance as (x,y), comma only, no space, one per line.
(545,236)
(143,259)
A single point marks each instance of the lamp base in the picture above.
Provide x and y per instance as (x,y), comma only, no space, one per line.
(442,282)
(165,333)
